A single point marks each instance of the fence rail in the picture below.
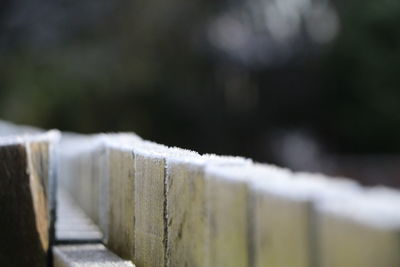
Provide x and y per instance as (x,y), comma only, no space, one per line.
(161,206)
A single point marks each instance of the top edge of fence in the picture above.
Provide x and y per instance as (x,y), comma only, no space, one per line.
(73,143)
(196,162)
(376,207)
(372,206)
(154,150)
(313,188)
(147,148)
(251,173)
(317,176)
(123,141)
(52,136)
(223,160)
(285,183)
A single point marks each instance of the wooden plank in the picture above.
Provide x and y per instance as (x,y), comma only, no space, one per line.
(42,162)
(94,255)
(73,225)
(186,213)
(75,170)
(150,203)
(27,205)
(100,176)
(283,215)
(227,223)
(258,213)
(187,240)
(364,231)
(81,172)
(121,194)
(280,223)
(96,170)
(149,209)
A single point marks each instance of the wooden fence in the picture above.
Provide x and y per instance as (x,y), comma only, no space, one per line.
(152,205)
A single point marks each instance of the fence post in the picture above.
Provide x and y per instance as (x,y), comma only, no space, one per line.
(27,202)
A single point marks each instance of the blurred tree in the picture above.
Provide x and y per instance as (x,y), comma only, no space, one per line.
(362,111)
(215,76)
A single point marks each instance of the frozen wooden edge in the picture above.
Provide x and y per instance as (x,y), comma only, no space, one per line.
(122,141)
(75,144)
(89,255)
(305,187)
(25,138)
(256,175)
(375,207)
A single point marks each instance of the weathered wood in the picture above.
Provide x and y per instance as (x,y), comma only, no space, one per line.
(121,194)
(73,226)
(283,215)
(81,171)
(186,211)
(149,209)
(89,182)
(169,207)
(227,223)
(27,200)
(75,170)
(364,231)
(100,176)
(95,255)
(20,240)
(258,213)
(149,206)
(187,203)
(151,203)
(280,223)
(121,215)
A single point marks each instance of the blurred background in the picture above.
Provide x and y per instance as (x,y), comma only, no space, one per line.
(307,84)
